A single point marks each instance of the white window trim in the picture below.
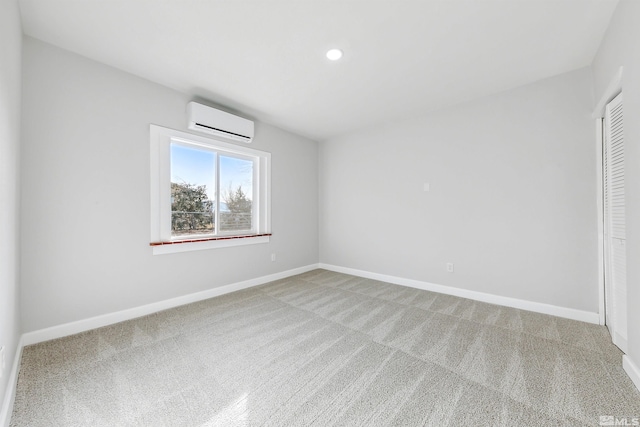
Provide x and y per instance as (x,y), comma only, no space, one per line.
(161,242)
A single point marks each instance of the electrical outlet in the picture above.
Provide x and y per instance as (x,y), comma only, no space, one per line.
(450,267)
(273,257)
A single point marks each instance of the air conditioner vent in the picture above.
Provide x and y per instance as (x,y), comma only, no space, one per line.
(219,123)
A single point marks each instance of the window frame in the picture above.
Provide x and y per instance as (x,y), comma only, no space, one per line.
(255,207)
(162,242)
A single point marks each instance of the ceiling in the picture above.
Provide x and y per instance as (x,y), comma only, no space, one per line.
(266,59)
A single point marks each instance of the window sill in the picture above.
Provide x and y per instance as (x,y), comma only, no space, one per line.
(160,248)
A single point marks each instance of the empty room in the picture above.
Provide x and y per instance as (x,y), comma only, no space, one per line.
(319,213)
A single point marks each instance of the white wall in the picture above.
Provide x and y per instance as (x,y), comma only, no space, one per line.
(620,48)
(10,64)
(512,200)
(85,196)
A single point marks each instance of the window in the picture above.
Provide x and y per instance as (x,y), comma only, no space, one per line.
(206,193)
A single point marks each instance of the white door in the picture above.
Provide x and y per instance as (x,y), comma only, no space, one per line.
(615,252)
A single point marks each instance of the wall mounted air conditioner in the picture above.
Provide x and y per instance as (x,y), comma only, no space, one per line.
(219,123)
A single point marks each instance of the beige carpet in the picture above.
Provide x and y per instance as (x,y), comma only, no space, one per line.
(328,349)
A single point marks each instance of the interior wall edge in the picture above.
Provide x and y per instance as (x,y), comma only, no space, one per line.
(632,370)
(79,326)
(12,386)
(553,310)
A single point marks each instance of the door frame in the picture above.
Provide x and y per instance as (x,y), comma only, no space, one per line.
(600,207)
(614,88)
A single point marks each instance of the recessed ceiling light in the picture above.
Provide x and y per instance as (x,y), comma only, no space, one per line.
(334,54)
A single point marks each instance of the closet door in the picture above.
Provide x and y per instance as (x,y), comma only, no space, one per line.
(615,224)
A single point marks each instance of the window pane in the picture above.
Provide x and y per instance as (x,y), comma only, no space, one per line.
(236,198)
(192,191)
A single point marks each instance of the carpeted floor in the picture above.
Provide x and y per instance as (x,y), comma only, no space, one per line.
(323,349)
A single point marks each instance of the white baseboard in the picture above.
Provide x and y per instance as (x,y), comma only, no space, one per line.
(71,328)
(569,313)
(111,318)
(632,370)
(10,392)
(619,340)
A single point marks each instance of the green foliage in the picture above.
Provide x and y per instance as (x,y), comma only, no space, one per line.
(191,209)
(239,215)
(237,201)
